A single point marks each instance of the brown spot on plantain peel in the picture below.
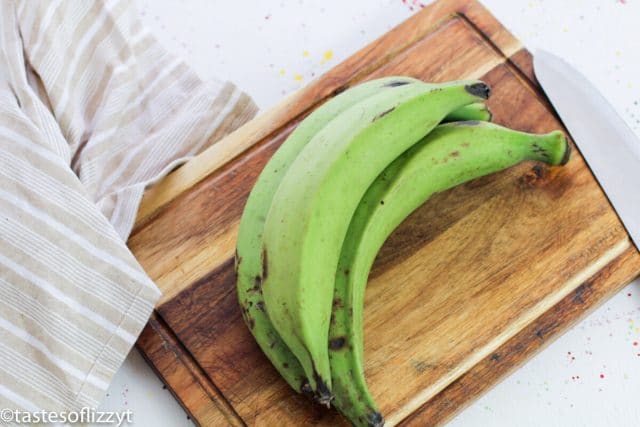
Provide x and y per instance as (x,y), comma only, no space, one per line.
(396,83)
(337,343)
(384,113)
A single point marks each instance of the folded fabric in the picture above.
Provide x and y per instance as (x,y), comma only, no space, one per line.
(92,110)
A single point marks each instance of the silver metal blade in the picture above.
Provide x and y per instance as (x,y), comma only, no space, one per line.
(608,145)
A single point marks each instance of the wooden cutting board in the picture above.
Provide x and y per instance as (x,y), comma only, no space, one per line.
(468,288)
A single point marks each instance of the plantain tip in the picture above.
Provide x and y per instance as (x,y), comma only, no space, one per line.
(481,90)
(305,388)
(375,419)
(323,394)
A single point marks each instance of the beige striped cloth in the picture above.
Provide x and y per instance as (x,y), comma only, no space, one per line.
(92,111)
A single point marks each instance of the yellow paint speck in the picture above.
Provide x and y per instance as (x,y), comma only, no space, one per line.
(305,53)
(618,52)
(531,4)
(297,78)
(282,72)
(629,85)
(565,30)
(327,55)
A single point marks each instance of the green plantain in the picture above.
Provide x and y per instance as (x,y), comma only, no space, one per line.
(249,265)
(450,155)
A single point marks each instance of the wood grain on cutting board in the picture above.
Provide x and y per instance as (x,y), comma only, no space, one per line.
(468,287)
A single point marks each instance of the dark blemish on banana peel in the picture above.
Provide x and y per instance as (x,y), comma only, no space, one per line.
(257,284)
(337,303)
(339,90)
(396,83)
(252,323)
(265,267)
(480,90)
(337,343)
(382,202)
(237,261)
(260,305)
(454,154)
(384,113)
(272,344)
(495,357)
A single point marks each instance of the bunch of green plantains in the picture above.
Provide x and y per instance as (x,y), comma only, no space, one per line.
(346,177)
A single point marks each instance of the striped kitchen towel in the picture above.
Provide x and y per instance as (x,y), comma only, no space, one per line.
(92,111)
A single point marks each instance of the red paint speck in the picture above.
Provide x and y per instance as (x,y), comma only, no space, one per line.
(601,375)
(622,1)
(267,17)
(413,4)
(629,294)
(635,343)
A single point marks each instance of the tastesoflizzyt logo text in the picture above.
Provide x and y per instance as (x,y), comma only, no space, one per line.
(85,415)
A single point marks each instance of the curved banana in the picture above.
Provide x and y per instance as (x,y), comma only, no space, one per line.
(249,265)
(311,209)
(249,242)
(450,155)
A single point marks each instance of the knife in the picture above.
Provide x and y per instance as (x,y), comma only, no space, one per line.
(610,147)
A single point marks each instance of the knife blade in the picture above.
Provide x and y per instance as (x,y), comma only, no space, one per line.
(609,146)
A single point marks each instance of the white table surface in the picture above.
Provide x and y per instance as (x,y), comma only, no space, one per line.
(588,377)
